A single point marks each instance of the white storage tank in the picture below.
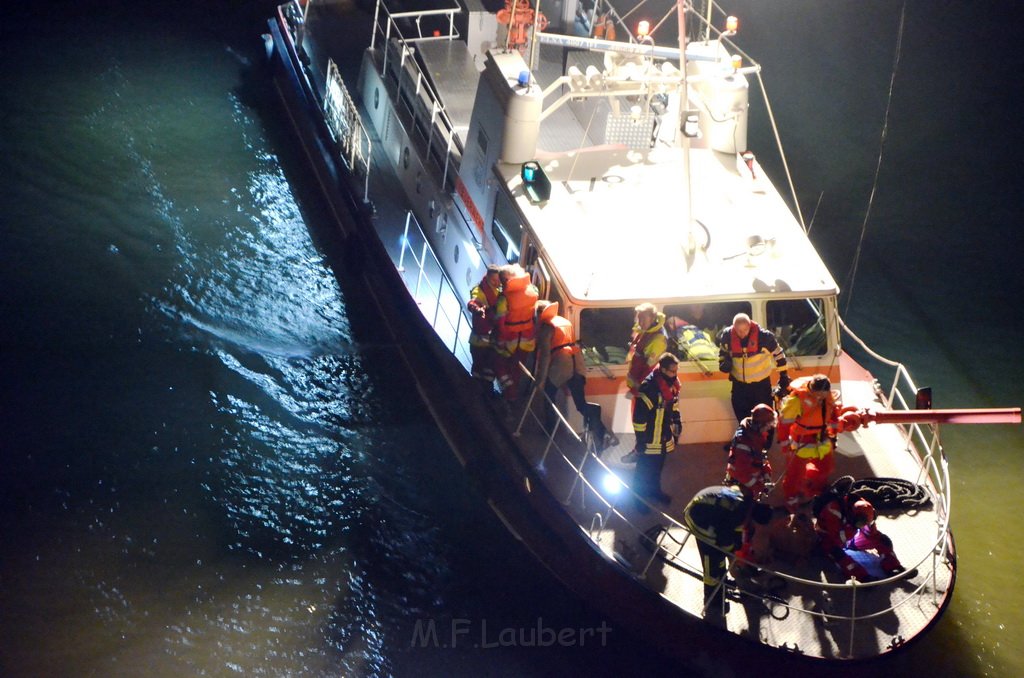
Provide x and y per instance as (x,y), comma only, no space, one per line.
(724,97)
(521,101)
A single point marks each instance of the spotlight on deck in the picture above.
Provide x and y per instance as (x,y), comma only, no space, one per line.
(611,484)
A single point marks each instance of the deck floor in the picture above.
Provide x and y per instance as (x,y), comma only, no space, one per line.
(810,619)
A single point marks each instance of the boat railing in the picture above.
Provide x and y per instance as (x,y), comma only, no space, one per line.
(922,440)
(416,101)
(599,482)
(346,126)
(432,290)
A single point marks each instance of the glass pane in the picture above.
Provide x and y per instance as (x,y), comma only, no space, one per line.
(506,229)
(605,334)
(692,328)
(799,325)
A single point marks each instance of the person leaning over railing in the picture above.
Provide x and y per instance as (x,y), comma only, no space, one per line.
(559,359)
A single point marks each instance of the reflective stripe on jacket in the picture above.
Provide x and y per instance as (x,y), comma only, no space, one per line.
(482,303)
(752,362)
(717,514)
(654,416)
(644,350)
(806,421)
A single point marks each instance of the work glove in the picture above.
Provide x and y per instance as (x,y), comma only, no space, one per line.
(782,390)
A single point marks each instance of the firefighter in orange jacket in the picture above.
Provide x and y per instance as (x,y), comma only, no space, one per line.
(483,300)
(810,420)
(514,327)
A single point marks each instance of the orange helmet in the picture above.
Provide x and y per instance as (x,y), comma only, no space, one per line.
(863,512)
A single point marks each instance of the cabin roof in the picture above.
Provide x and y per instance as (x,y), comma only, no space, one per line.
(616,227)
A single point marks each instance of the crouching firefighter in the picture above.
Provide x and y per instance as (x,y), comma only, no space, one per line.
(719,517)
(847,522)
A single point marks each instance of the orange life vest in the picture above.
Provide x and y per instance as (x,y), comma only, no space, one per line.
(814,417)
(737,349)
(562,338)
(515,313)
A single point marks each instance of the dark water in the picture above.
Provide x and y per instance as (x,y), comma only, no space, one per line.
(213,466)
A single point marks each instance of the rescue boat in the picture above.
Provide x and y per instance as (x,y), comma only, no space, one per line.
(615,172)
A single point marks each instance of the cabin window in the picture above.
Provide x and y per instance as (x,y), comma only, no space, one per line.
(554,295)
(605,334)
(506,228)
(540,277)
(481,141)
(799,325)
(693,328)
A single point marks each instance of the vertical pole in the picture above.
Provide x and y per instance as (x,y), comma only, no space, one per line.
(684,96)
(405,243)
(376,18)
(853,616)
(419,278)
(366,182)
(533,37)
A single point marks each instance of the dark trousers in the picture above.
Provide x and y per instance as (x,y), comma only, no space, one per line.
(647,475)
(716,564)
(745,396)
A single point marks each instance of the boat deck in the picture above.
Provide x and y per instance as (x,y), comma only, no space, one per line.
(812,617)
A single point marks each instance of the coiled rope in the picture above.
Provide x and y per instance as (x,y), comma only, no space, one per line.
(889,494)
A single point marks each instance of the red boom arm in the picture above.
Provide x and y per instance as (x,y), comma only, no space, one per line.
(995,415)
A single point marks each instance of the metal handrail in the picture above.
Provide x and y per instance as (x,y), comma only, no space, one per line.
(345,123)
(425,257)
(390,28)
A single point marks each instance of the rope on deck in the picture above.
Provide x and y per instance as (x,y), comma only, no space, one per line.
(890,494)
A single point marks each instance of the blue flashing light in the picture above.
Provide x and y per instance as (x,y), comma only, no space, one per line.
(524,78)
